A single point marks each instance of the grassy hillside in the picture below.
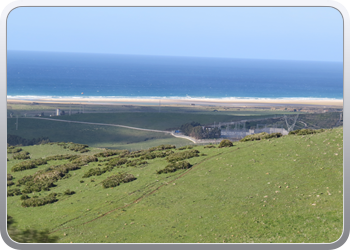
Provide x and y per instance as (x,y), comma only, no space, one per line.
(287,189)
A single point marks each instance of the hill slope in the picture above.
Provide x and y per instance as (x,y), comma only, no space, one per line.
(287,189)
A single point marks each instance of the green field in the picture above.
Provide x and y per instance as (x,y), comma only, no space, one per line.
(288,189)
(93,135)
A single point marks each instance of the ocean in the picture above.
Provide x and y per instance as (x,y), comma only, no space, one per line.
(33,75)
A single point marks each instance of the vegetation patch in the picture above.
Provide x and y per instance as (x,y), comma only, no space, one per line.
(260,136)
(196,130)
(61,157)
(108,153)
(115,180)
(12,149)
(209,146)
(28,164)
(13,192)
(117,162)
(10,183)
(21,155)
(36,202)
(69,192)
(135,163)
(16,140)
(9,177)
(83,160)
(76,147)
(161,147)
(182,155)
(305,131)
(172,167)
(156,154)
(225,143)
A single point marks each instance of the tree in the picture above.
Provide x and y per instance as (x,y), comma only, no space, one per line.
(28,235)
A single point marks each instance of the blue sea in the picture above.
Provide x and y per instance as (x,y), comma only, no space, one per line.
(57,75)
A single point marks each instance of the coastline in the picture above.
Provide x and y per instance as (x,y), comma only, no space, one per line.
(180,101)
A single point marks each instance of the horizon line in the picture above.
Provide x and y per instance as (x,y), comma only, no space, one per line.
(104,53)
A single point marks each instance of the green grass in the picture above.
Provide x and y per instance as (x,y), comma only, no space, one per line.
(229,195)
(165,121)
(92,135)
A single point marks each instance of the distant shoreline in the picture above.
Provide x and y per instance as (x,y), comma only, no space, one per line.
(181,101)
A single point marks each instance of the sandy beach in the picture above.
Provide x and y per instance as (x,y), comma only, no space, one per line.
(186,101)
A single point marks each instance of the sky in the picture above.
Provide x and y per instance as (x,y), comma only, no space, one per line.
(282,33)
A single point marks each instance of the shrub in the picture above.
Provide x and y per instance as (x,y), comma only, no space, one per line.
(108,153)
(172,167)
(12,149)
(10,183)
(17,140)
(117,162)
(260,136)
(9,177)
(83,160)
(68,192)
(209,146)
(74,146)
(13,192)
(305,131)
(28,164)
(81,181)
(135,163)
(161,147)
(92,172)
(61,157)
(182,155)
(24,197)
(115,180)
(225,143)
(21,155)
(35,202)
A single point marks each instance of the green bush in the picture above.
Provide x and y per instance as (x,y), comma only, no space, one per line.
(225,143)
(82,148)
(161,147)
(83,160)
(35,202)
(135,163)
(13,192)
(209,146)
(21,155)
(68,192)
(9,177)
(108,153)
(10,183)
(12,149)
(305,131)
(172,167)
(182,155)
(24,197)
(93,172)
(28,164)
(61,157)
(115,180)
(260,136)
(117,162)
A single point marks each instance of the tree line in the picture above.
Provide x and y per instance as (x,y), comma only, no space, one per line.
(196,130)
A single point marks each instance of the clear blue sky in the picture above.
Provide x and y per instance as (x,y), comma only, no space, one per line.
(288,33)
